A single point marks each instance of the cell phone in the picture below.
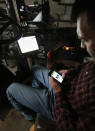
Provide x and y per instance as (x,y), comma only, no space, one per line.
(56,76)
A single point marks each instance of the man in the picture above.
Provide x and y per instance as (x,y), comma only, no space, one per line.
(71,105)
(75,109)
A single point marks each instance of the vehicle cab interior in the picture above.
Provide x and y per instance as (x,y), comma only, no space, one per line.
(34,32)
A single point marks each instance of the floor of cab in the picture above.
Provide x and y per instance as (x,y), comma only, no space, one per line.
(11,120)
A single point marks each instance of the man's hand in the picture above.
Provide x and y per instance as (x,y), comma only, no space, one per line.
(63,73)
(54,84)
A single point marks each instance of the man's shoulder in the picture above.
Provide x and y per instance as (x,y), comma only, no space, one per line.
(87,71)
(90,64)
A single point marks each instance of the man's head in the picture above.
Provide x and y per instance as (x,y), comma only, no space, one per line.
(83,13)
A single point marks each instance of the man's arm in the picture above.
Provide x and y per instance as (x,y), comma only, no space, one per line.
(67,120)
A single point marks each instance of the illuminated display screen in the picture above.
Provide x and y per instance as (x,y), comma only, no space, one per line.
(57,76)
(28,44)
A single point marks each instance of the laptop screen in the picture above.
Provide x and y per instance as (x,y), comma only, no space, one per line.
(28,44)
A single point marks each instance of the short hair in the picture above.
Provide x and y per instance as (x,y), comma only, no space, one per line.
(84,6)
